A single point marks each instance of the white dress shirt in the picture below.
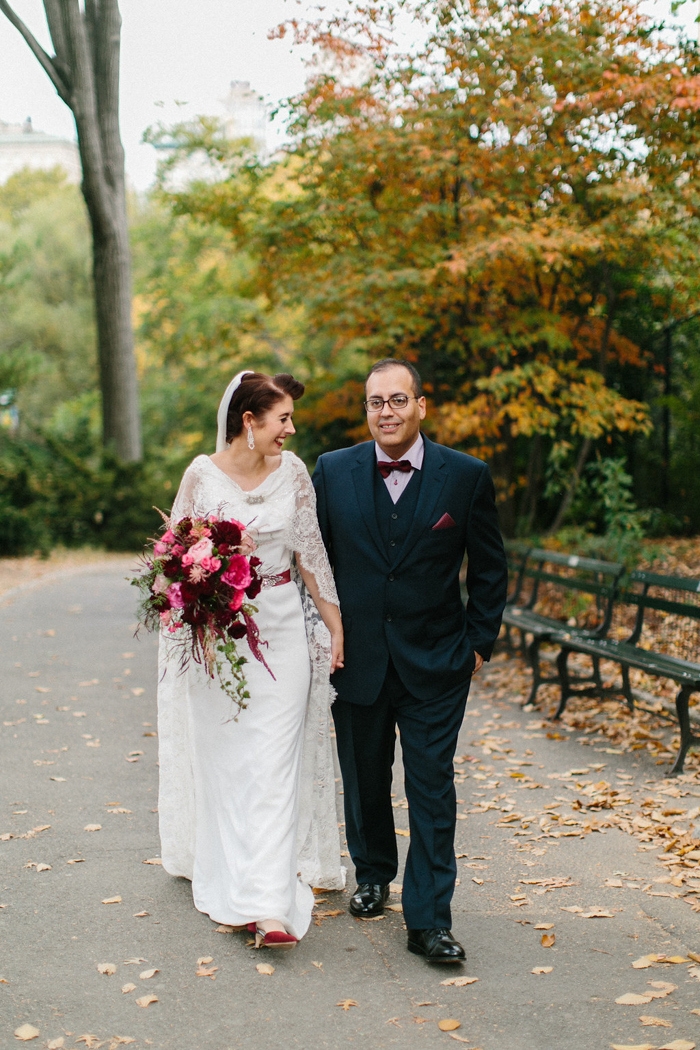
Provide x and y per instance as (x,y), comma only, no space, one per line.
(398,480)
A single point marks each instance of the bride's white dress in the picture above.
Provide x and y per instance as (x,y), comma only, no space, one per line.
(247,807)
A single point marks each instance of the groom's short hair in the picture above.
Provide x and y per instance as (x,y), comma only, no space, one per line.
(393,362)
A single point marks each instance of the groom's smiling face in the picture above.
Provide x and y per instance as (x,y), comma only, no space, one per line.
(394,429)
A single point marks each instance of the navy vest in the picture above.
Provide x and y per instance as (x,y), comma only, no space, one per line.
(395,519)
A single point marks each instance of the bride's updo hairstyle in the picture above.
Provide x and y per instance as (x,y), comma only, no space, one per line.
(258,393)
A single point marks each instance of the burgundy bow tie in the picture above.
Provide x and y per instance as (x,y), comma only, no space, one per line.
(402,465)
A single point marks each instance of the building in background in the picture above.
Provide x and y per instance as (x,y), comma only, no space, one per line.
(23,147)
(245,116)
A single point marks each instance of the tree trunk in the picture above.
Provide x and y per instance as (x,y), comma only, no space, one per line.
(85,73)
(572,487)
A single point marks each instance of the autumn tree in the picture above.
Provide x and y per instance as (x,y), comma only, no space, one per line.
(85,72)
(489,203)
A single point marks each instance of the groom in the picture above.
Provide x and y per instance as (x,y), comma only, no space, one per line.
(397,516)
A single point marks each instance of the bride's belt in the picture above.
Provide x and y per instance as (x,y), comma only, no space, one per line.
(277,579)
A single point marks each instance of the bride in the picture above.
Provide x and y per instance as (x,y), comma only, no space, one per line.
(247,807)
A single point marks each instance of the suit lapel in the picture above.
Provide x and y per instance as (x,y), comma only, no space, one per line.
(363,480)
(432,483)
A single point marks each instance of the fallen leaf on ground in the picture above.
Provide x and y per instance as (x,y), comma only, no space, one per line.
(209,971)
(90,1040)
(25,1032)
(204,960)
(126,988)
(645,962)
(678,1044)
(224,929)
(318,965)
(597,913)
(56,1044)
(636,1046)
(695,1011)
(119,1040)
(146,1000)
(394,907)
(106,968)
(133,962)
(651,1022)
(146,974)
(112,900)
(92,827)
(459,1038)
(141,914)
(663,988)
(265,969)
(76,860)
(347,1003)
(43,867)
(460,982)
(449,1024)
(547,940)
(153,860)
(544,926)
(544,969)
(678,959)
(58,780)
(633,999)
(574,908)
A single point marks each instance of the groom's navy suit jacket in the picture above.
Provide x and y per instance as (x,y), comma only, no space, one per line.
(405,602)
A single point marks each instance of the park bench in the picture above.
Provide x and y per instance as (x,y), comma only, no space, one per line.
(664,642)
(557,594)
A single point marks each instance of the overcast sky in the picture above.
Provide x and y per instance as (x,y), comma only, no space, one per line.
(175,51)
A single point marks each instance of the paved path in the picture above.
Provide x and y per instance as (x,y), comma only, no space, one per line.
(77,749)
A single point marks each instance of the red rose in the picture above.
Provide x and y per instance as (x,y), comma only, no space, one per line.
(237,630)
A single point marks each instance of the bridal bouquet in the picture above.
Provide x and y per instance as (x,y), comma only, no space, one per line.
(198,581)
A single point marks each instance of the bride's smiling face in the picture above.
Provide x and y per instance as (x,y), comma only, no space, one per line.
(271,430)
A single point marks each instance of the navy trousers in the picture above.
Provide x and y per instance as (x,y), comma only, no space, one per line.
(366,737)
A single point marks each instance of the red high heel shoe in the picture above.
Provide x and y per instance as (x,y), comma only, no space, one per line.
(272,939)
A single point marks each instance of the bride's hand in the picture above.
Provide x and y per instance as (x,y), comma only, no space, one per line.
(337,654)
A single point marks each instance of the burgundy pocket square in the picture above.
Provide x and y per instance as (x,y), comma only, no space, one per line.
(445,522)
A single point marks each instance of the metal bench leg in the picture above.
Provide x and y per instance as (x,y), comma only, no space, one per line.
(687,736)
(596,672)
(564,682)
(626,687)
(533,655)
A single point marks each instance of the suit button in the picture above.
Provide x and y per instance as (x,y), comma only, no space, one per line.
(391,578)
(392,543)
(394,516)
(388,617)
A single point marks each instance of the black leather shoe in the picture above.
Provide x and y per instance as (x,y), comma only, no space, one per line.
(368,900)
(438,946)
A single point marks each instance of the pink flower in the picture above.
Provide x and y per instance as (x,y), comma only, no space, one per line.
(238,573)
(160,584)
(168,537)
(159,547)
(210,564)
(177,550)
(197,552)
(247,544)
(174,595)
(237,601)
(165,617)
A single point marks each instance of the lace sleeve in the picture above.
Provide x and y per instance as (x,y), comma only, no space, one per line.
(189,502)
(306,540)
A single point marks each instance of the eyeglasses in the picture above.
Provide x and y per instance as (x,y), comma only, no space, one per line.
(376,404)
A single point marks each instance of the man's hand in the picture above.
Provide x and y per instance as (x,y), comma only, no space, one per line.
(479,662)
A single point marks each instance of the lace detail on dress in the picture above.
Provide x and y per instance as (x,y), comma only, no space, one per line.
(305,535)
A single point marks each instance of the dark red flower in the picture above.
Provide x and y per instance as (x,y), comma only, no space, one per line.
(237,630)
(195,615)
(171,568)
(228,532)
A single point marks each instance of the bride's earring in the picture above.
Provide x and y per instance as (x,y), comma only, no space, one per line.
(251,439)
